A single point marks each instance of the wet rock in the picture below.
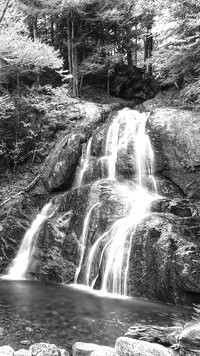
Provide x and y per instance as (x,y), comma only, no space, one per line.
(45,349)
(15,218)
(128,346)
(58,248)
(189,339)
(60,165)
(87,349)
(6,351)
(25,342)
(176,141)
(166,336)
(165,261)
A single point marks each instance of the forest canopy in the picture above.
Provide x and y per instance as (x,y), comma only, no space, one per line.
(64,42)
(92,36)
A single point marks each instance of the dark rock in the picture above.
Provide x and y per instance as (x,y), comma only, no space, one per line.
(132,83)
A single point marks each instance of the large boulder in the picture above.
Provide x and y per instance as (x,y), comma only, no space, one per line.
(60,166)
(132,83)
(128,346)
(175,137)
(165,260)
(45,349)
(189,338)
(89,349)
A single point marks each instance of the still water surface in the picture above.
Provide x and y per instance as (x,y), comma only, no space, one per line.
(60,314)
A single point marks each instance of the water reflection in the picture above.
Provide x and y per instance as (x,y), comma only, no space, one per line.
(63,315)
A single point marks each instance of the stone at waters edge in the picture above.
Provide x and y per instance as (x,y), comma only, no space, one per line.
(87,349)
(166,336)
(127,346)
(189,339)
(45,349)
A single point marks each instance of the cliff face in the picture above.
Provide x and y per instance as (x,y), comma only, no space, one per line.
(165,252)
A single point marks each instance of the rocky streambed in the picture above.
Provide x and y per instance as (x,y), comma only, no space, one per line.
(137,341)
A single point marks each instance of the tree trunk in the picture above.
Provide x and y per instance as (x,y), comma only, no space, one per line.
(32,24)
(4,11)
(136,45)
(74,63)
(108,83)
(52,31)
(69,51)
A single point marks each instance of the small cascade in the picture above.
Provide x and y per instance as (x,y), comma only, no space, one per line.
(83,240)
(85,159)
(108,259)
(111,147)
(20,264)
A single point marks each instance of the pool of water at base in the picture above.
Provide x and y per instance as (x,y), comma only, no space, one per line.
(60,314)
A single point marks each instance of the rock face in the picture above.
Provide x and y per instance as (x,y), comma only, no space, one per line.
(57,173)
(164,262)
(176,141)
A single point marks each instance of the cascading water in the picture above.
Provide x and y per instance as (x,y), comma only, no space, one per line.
(83,240)
(109,256)
(83,166)
(20,264)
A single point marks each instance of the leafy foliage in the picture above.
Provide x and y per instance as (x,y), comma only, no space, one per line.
(176,59)
(18,53)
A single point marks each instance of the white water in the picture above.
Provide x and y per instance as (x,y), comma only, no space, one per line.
(20,264)
(85,160)
(109,255)
(83,240)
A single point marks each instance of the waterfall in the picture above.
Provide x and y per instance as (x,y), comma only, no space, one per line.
(83,166)
(108,258)
(20,264)
(83,240)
